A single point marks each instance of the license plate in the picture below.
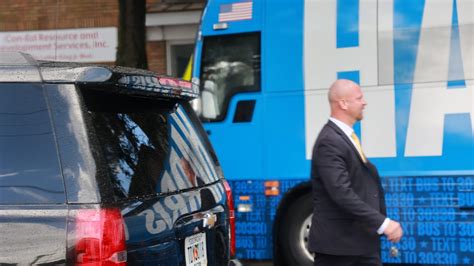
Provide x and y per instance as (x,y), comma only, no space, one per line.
(195,250)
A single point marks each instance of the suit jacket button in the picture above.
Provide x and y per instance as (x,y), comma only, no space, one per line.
(376,195)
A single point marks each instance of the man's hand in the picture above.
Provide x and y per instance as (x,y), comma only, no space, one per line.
(394,231)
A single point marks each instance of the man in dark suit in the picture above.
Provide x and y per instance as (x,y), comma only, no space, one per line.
(349,207)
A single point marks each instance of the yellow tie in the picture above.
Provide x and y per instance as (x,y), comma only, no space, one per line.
(359,148)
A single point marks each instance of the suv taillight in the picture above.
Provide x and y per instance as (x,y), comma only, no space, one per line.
(230,205)
(98,237)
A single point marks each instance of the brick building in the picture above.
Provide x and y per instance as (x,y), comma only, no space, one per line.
(86,30)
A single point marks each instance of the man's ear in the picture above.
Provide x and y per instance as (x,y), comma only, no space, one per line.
(342,104)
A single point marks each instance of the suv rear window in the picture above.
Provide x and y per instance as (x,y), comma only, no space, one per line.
(29,165)
(151,146)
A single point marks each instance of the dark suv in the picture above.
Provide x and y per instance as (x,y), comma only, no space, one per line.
(106,166)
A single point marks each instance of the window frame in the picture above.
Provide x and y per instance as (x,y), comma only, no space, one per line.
(171,57)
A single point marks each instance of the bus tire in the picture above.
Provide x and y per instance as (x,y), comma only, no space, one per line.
(294,231)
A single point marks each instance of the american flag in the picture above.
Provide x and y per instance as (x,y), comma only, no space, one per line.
(236,11)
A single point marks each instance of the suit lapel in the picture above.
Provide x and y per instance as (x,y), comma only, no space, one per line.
(346,139)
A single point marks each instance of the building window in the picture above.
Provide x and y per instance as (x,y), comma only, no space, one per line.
(178,57)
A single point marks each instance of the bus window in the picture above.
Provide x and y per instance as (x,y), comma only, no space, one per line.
(230,65)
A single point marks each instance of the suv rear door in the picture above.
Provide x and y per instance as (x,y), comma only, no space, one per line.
(162,173)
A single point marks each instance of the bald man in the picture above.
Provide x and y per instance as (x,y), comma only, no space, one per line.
(349,206)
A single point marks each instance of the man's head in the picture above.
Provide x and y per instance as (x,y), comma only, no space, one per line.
(347,101)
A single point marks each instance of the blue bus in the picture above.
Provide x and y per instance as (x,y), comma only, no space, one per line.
(264,68)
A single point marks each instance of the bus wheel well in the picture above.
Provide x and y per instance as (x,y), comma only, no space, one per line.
(289,197)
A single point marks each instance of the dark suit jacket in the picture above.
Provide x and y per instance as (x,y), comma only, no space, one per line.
(349,204)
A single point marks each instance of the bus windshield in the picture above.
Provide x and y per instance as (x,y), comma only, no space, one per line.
(230,65)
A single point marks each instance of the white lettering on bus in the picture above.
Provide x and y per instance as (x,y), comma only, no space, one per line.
(430,102)
(323,60)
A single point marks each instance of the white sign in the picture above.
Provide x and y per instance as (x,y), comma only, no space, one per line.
(78,45)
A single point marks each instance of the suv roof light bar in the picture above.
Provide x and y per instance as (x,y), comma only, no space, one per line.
(167,86)
(83,74)
(132,79)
